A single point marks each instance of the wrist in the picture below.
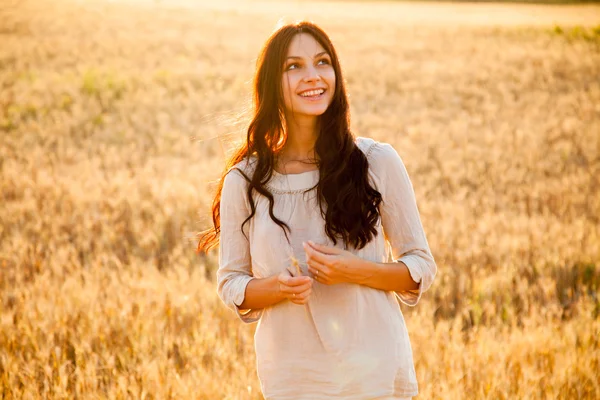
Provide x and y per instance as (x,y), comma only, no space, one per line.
(278,295)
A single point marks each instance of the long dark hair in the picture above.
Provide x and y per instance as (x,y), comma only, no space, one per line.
(348,203)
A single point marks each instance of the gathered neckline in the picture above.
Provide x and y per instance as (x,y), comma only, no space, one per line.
(303,181)
(293,183)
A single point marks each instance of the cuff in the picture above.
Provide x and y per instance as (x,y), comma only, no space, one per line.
(411,297)
(246,315)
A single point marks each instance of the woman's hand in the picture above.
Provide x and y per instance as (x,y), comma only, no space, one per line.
(297,289)
(330,265)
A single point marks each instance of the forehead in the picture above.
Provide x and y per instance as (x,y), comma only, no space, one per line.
(304,45)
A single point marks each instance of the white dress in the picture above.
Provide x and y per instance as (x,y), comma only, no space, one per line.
(350,341)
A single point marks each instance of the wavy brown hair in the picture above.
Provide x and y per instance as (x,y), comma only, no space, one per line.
(348,203)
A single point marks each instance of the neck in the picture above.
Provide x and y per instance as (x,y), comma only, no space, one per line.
(301,137)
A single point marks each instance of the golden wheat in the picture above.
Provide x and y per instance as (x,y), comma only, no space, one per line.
(115,119)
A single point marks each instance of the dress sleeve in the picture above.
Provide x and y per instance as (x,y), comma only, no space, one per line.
(235,266)
(401,221)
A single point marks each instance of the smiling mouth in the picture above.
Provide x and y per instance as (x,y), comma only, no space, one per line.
(312,94)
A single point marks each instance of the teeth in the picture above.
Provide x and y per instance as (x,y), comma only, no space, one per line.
(312,93)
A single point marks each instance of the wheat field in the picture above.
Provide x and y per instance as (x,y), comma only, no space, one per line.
(115,121)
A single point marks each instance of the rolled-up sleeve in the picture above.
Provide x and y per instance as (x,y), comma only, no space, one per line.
(400,220)
(235,265)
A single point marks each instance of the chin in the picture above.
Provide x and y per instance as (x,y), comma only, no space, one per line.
(313,111)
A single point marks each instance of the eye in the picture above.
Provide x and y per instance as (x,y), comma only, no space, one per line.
(292,66)
(323,61)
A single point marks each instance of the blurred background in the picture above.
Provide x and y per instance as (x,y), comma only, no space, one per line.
(115,121)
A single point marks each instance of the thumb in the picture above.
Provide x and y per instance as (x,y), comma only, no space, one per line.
(284,277)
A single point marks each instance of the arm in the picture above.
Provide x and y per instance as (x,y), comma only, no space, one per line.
(387,276)
(236,285)
(401,222)
(261,293)
(335,265)
(235,265)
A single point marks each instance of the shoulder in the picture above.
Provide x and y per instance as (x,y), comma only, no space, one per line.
(235,180)
(365,144)
(243,169)
(377,152)
(235,183)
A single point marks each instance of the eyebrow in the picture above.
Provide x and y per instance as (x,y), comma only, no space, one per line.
(315,56)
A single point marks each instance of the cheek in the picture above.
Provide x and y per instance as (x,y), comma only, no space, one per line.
(331,91)
(286,95)
(329,77)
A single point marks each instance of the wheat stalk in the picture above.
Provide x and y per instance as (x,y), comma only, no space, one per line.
(296,264)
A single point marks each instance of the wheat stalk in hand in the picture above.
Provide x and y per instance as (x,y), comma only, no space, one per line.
(296,271)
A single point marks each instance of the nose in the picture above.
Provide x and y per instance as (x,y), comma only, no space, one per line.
(312,74)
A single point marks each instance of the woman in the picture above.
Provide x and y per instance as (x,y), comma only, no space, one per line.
(301,213)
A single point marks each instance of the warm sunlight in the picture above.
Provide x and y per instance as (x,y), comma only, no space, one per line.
(116,118)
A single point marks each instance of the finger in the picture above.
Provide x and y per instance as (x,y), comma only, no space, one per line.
(320,276)
(329,250)
(283,279)
(296,289)
(300,302)
(314,254)
(301,298)
(315,272)
(318,269)
(302,288)
(299,281)
(292,280)
(303,295)
(325,280)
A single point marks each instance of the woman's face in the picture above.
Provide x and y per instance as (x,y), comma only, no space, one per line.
(308,77)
